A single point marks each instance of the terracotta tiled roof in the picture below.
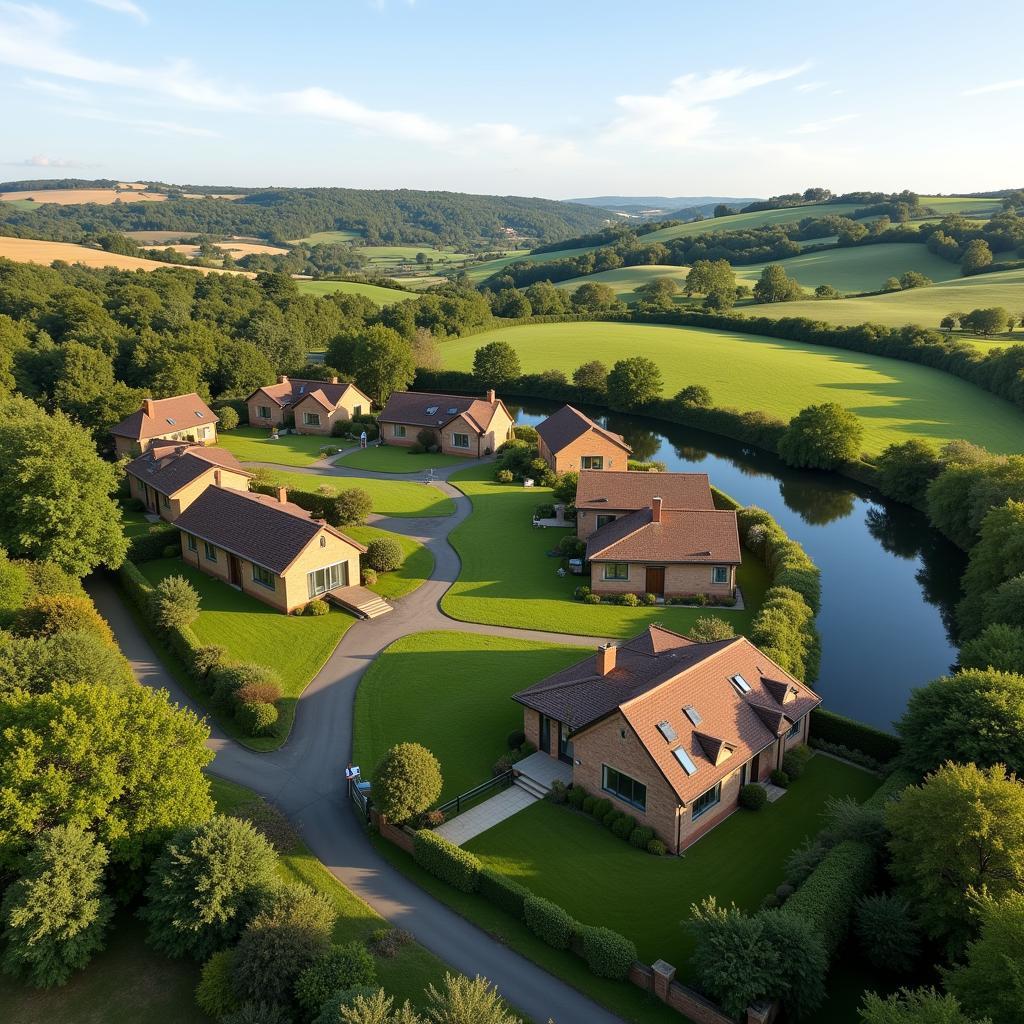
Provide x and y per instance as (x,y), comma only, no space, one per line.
(168,416)
(622,490)
(256,527)
(681,537)
(168,468)
(294,389)
(661,679)
(568,424)
(422,409)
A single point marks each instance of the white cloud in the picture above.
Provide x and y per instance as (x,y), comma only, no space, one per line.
(45,161)
(685,113)
(122,7)
(148,126)
(1013,83)
(809,86)
(813,127)
(55,89)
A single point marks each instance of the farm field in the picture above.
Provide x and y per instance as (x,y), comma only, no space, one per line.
(896,400)
(154,238)
(30,250)
(374,292)
(233,246)
(76,196)
(481,271)
(740,221)
(408,253)
(329,237)
(625,280)
(925,306)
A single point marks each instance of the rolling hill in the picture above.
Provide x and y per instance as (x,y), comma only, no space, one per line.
(381,296)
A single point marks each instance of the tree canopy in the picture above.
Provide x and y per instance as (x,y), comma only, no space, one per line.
(822,437)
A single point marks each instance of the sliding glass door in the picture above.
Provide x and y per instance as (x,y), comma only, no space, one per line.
(329,578)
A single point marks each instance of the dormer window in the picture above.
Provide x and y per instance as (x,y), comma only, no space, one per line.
(741,685)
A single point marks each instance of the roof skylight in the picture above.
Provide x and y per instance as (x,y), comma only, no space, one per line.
(431,409)
(692,714)
(170,420)
(740,683)
(667,731)
(685,760)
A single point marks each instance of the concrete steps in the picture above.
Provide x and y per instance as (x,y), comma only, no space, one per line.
(531,786)
(364,603)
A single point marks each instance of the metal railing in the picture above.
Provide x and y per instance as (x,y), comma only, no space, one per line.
(456,803)
(359,798)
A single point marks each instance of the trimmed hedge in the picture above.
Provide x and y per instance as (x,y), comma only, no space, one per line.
(444,860)
(829,726)
(641,836)
(147,547)
(503,892)
(608,954)
(827,898)
(549,921)
(753,797)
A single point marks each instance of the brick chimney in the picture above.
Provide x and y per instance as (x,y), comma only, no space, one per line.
(149,407)
(282,494)
(606,658)
(655,510)
(216,478)
(282,379)
(490,396)
(334,380)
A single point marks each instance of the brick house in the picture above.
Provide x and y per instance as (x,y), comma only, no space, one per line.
(569,440)
(181,418)
(168,478)
(603,497)
(669,729)
(460,424)
(315,405)
(267,547)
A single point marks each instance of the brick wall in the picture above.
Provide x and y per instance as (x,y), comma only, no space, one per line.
(591,443)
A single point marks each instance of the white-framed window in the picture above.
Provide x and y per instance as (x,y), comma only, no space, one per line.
(795,731)
(592,462)
(399,430)
(204,432)
(625,788)
(311,419)
(264,577)
(330,577)
(209,551)
(191,542)
(460,440)
(720,574)
(263,412)
(706,801)
(605,519)
(616,571)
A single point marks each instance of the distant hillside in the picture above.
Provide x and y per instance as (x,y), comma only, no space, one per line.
(381,217)
(661,207)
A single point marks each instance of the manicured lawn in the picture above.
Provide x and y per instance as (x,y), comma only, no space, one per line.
(253,444)
(296,647)
(395,459)
(400,498)
(600,879)
(374,292)
(452,693)
(896,400)
(414,571)
(135,523)
(508,580)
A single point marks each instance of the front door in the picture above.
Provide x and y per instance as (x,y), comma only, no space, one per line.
(564,744)
(545,734)
(656,580)
(234,571)
(755,765)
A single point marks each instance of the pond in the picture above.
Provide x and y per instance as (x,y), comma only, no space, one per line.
(889,581)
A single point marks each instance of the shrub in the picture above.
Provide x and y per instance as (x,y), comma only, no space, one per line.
(270,822)
(515,739)
(549,921)
(753,797)
(336,969)
(215,993)
(48,615)
(228,421)
(588,804)
(444,860)
(318,606)
(558,793)
(592,599)
(650,599)
(608,954)
(856,756)
(624,826)
(207,658)
(171,551)
(610,818)
(641,836)
(657,848)
(407,781)
(780,778)
(886,932)
(258,693)
(256,719)
(429,819)
(577,797)
(496,888)
(629,601)
(795,761)
(384,554)
(783,892)
(229,679)
(827,725)
(601,807)
(251,1012)
(502,765)
(153,542)
(709,628)
(504,476)
(386,943)
(804,859)
(350,507)
(369,576)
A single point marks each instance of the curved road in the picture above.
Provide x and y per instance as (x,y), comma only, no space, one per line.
(305,777)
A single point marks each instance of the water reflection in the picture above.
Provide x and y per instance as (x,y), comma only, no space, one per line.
(890,582)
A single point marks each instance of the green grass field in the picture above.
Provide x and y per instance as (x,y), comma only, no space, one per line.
(396,459)
(481,271)
(408,254)
(924,306)
(21,205)
(742,221)
(573,860)
(414,572)
(329,238)
(399,498)
(296,647)
(382,296)
(895,399)
(514,583)
(253,444)
(452,693)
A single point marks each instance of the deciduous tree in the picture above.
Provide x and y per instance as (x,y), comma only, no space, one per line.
(822,437)
(634,382)
(496,364)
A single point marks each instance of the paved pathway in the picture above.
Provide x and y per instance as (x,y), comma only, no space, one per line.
(491,812)
(305,777)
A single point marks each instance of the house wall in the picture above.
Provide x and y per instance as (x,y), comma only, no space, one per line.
(183,498)
(680,579)
(692,830)
(387,433)
(590,443)
(205,434)
(276,417)
(499,430)
(460,425)
(328,417)
(586,521)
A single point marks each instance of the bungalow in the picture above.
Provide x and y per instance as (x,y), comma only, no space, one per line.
(603,497)
(268,547)
(316,405)
(669,729)
(168,478)
(181,418)
(666,552)
(571,440)
(458,424)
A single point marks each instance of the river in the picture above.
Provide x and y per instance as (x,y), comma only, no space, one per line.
(889,581)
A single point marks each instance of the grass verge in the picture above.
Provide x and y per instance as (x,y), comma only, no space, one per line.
(253,444)
(396,459)
(414,571)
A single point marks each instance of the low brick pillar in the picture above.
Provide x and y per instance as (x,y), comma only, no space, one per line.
(664,975)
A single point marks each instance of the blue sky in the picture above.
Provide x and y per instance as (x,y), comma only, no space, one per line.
(558,98)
